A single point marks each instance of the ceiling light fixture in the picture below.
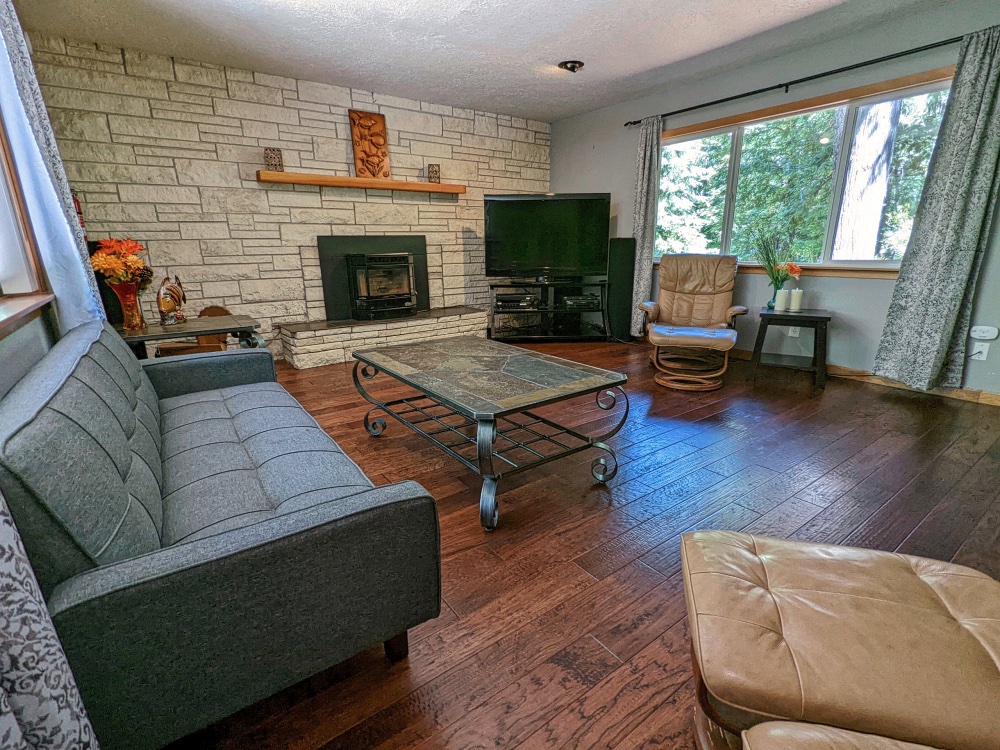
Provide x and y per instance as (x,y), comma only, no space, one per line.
(824,140)
(571,65)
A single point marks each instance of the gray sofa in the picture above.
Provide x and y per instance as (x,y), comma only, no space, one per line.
(200,541)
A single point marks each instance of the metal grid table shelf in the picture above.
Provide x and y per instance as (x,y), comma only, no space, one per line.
(494,445)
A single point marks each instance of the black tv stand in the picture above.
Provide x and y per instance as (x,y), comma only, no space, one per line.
(549,316)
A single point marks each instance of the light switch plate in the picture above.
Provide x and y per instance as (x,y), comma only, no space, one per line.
(984,333)
(980,350)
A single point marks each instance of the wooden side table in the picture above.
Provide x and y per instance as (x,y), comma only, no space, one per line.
(815,319)
(242,327)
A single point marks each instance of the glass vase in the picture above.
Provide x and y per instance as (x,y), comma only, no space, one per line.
(770,302)
(128,296)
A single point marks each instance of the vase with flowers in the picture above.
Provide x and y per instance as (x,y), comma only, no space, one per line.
(127,274)
(774,254)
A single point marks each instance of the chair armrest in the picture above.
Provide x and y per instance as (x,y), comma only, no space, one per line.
(176,376)
(171,641)
(652,310)
(735,311)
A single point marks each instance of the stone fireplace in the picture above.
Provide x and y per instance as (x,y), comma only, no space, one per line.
(367,283)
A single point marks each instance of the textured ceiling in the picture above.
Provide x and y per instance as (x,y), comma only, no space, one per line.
(496,55)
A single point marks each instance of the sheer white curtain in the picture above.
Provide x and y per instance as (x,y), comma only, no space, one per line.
(647,192)
(43,180)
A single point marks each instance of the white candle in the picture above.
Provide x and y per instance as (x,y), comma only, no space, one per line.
(796,304)
(781,301)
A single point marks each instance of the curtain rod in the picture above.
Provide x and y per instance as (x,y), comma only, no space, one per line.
(797,81)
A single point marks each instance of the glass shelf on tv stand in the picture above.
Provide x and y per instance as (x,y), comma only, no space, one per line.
(555,282)
(549,312)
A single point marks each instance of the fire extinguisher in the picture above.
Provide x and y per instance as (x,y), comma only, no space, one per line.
(79,213)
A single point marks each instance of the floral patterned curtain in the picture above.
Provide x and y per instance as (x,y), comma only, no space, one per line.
(647,193)
(40,706)
(66,262)
(924,341)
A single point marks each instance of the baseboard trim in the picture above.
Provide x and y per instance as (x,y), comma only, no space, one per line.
(836,371)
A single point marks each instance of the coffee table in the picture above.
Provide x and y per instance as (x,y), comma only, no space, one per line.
(475,400)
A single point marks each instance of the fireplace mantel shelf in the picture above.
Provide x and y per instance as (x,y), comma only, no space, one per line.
(332,180)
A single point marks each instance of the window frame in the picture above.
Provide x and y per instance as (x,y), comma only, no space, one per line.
(939,79)
(17,309)
(12,184)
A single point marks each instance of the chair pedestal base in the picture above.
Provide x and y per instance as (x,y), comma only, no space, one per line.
(689,369)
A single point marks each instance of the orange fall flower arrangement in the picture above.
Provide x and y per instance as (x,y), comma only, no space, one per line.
(119,262)
(788,271)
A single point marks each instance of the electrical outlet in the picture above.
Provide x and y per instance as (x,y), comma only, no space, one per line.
(793,332)
(980,350)
(984,333)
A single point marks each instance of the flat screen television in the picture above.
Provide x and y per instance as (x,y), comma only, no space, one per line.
(547,235)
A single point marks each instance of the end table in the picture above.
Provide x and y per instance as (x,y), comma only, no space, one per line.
(242,327)
(815,319)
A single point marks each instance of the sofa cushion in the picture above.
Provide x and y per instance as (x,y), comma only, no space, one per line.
(79,456)
(239,455)
(788,735)
(870,641)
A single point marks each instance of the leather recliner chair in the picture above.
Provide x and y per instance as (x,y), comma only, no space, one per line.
(690,325)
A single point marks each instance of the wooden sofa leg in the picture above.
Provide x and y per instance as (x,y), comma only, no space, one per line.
(397,648)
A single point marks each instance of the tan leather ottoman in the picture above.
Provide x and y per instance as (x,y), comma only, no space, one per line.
(786,735)
(874,642)
(690,359)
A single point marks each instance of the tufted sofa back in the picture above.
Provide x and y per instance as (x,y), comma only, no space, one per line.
(80,456)
(696,290)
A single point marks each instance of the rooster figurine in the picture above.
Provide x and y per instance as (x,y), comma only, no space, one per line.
(169,301)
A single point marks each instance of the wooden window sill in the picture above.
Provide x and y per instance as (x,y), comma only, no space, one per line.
(846,272)
(17,309)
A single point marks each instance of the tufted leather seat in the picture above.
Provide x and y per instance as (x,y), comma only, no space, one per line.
(874,642)
(717,339)
(786,735)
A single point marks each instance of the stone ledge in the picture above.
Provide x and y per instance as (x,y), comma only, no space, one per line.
(298,329)
(320,343)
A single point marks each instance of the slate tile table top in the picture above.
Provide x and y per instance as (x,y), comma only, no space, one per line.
(475,398)
(481,378)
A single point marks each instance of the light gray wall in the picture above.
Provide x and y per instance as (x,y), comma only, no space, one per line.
(593,152)
(21,350)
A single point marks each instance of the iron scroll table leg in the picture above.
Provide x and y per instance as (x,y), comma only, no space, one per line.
(486,435)
(250,340)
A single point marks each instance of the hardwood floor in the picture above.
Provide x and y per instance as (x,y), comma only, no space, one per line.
(566,626)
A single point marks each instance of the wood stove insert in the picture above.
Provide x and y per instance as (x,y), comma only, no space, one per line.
(382,286)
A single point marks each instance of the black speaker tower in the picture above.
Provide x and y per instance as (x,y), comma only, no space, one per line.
(621,279)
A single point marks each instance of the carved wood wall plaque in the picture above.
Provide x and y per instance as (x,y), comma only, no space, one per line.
(371,144)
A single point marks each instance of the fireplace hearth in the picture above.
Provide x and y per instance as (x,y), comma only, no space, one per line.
(381,286)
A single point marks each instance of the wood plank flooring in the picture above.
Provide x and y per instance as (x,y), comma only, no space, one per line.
(566,626)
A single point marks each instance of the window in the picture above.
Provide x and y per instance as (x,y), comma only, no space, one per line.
(841,183)
(17,270)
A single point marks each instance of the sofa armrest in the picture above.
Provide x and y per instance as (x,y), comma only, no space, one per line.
(176,376)
(171,641)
